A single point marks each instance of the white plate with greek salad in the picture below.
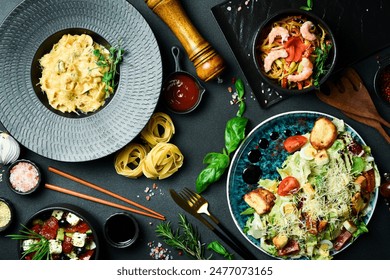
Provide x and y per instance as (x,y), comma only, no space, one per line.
(302,185)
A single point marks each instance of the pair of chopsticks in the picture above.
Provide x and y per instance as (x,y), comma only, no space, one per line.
(147,211)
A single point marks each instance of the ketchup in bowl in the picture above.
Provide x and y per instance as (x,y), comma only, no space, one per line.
(182,93)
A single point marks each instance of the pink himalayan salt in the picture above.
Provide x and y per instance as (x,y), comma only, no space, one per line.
(24,177)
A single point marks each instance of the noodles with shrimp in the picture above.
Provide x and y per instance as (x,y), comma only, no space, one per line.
(293,51)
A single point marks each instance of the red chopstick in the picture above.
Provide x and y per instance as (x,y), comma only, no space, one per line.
(149,212)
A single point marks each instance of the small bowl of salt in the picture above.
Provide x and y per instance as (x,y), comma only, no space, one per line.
(24,177)
(6,214)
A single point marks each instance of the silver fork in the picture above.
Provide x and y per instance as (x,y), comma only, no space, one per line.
(200,205)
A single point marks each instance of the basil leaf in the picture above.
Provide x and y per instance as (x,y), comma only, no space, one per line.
(241,109)
(208,176)
(235,133)
(218,248)
(239,85)
(217,164)
(217,159)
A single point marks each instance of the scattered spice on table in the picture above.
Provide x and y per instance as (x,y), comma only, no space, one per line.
(152,191)
(158,252)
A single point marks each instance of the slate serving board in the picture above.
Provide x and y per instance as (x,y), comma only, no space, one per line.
(360,28)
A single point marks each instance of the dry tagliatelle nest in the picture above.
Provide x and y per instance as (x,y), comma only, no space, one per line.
(156,159)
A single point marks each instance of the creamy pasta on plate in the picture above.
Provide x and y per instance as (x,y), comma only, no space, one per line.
(71,77)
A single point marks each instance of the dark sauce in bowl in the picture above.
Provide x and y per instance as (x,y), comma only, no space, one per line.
(121,230)
(182,92)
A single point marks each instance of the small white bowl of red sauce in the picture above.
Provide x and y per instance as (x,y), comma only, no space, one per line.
(181,91)
(24,177)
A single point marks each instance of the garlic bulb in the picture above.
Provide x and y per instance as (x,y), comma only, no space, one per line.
(9,149)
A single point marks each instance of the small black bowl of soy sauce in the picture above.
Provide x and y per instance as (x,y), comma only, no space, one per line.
(121,230)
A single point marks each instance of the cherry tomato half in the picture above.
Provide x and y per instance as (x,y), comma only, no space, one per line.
(294,143)
(288,185)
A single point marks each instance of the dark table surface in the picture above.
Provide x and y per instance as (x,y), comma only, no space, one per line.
(197,133)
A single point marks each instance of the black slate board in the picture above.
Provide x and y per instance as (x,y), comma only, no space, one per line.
(360,28)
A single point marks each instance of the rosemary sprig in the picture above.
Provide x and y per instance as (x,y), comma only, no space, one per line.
(114,58)
(40,249)
(188,240)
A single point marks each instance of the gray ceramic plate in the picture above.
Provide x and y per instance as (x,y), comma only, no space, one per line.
(274,130)
(30,30)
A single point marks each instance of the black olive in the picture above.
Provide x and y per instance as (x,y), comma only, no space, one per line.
(79,250)
(62,222)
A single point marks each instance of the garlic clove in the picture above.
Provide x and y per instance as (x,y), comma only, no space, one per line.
(9,149)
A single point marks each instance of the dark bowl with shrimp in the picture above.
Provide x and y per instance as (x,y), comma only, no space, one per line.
(294,51)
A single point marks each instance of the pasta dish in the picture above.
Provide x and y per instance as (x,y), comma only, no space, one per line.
(71,78)
(293,52)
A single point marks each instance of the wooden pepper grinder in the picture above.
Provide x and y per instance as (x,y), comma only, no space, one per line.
(208,64)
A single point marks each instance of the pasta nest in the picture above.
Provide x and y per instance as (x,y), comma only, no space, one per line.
(157,159)
(159,129)
(129,161)
(162,161)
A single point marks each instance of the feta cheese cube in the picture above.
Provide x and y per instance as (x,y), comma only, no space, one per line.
(72,219)
(57,214)
(28,243)
(78,239)
(55,247)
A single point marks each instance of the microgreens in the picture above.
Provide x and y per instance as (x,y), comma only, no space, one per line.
(114,58)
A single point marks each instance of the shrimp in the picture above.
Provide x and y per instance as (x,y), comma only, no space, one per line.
(272,56)
(305,31)
(307,70)
(278,31)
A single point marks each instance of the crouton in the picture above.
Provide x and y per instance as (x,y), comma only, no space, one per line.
(370,177)
(308,190)
(361,181)
(323,134)
(261,200)
(358,203)
(322,225)
(280,241)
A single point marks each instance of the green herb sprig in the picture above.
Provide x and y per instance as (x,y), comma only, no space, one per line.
(220,249)
(217,163)
(40,249)
(185,238)
(114,58)
(321,69)
(308,7)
